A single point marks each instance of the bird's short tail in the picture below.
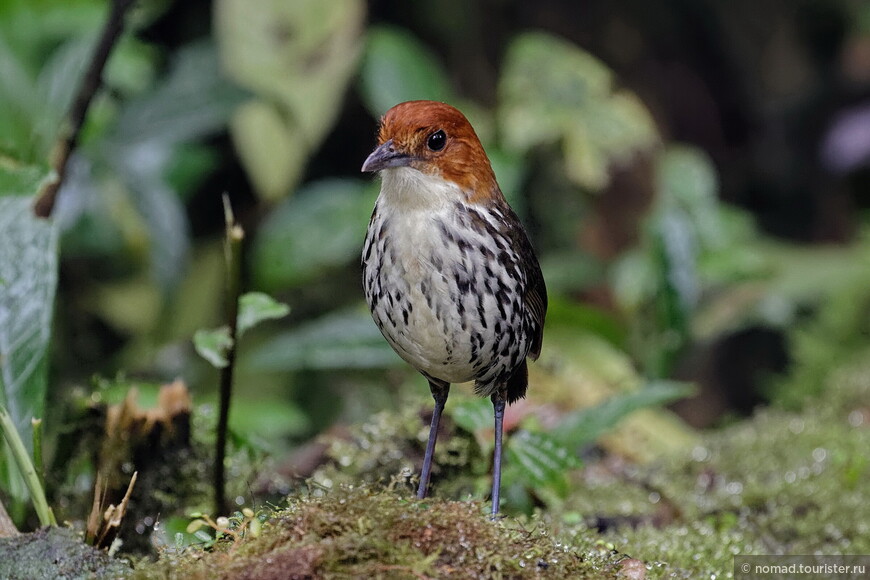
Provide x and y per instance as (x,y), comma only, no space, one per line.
(518,383)
(515,386)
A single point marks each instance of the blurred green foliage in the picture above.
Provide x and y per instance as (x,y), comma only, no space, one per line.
(689,245)
(396,67)
(553,91)
(539,460)
(254,307)
(835,337)
(268,104)
(315,231)
(296,58)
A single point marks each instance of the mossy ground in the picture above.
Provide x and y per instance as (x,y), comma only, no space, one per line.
(782,482)
(361,533)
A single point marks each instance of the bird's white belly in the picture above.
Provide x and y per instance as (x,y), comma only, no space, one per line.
(437,303)
(432,340)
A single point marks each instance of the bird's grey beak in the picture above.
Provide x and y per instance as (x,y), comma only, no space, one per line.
(385,156)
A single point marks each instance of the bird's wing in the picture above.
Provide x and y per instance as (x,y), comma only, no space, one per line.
(535,296)
(536,302)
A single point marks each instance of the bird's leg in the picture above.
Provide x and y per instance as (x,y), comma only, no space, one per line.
(499,398)
(439,393)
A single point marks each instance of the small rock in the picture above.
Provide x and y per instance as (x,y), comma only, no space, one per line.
(632,569)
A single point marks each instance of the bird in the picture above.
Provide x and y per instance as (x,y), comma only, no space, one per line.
(449,273)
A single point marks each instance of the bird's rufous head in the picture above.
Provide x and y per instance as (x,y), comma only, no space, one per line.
(437,140)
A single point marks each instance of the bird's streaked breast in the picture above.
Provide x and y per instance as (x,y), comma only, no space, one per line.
(445,285)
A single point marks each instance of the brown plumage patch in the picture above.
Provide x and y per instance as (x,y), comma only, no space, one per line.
(462,160)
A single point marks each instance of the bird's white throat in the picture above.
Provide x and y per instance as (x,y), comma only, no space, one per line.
(405,188)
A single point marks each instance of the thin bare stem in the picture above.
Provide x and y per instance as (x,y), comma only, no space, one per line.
(233,255)
(78,112)
(37,450)
(22,460)
(96,516)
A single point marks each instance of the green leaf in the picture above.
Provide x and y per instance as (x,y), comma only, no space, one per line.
(676,252)
(542,460)
(21,179)
(587,425)
(687,187)
(174,531)
(686,179)
(510,171)
(28,280)
(686,175)
(633,278)
(195,525)
(270,148)
(57,83)
(133,66)
(568,270)
(169,233)
(342,340)
(213,345)
(577,317)
(190,166)
(553,92)
(30,26)
(396,67)
(320,228)
(737,256)
(473,415)
(661,283)
(297,58)
(255,307)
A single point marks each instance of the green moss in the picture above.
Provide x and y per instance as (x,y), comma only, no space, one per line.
(781,482)
(354,533)
(385,450)
(834,337)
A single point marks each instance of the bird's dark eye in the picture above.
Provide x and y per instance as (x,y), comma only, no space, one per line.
(436,140)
